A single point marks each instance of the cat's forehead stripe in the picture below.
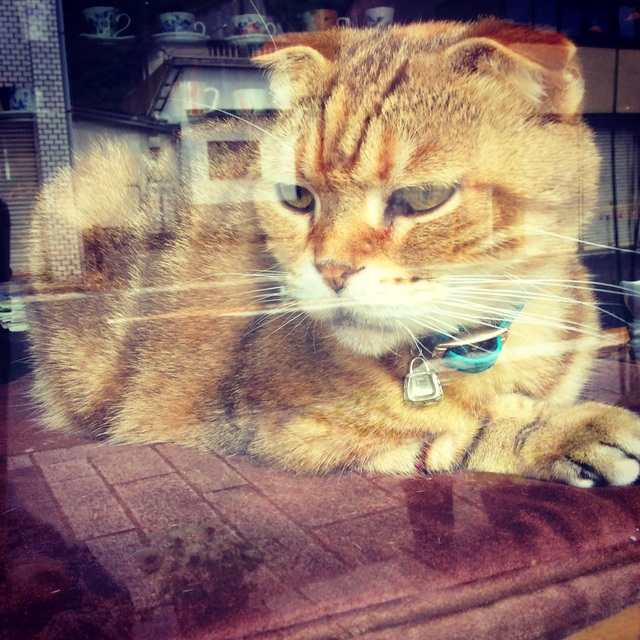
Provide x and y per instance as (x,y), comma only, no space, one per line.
(387,156)
(347,112)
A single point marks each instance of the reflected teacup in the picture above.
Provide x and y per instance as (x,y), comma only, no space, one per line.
(104,21)
(194,99)
(323,19)
(22,99)
(378,17)
(247,24)
(250,100)
(180,22)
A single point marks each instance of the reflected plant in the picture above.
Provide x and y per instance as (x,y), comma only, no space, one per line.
(203,571)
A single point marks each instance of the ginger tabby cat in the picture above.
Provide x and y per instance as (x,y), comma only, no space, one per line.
(348,305)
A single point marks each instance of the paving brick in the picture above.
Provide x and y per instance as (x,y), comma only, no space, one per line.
(53,456)
(290,602)
(288,551)
(67,470)
(28,489)
(366,586)
(122,463)
(289,615)
(159,623)
(18,462)
(341,497)
(116,553)
(373,538)
(261,624)
(205,471)
(157,503)
(90,507)
(316,630)
(255,619)
(392,485)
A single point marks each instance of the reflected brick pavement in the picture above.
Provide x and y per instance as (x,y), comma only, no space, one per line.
(325,546)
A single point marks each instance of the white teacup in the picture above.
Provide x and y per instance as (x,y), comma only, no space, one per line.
(104,21)
(248,24)
(180,22)
(378,17)
(323,20)
(196,98)
(22,99)
(250,100)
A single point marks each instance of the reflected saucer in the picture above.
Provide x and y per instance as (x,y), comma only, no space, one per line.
(249,39)
(180,37)
(103,40)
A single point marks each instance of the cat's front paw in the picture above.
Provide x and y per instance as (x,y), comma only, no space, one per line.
(584,445)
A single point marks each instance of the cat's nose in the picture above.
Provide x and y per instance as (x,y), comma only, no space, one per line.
(335,274)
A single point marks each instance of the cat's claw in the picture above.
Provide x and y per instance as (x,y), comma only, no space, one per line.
(617,469)
(584,445)
(605,452)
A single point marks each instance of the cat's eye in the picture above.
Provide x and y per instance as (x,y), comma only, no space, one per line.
(295,197)
(416,200)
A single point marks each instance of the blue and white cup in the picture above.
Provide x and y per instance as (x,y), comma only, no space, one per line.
(252,24)
(105,22)
(180,22)
(22,99)
(378,17)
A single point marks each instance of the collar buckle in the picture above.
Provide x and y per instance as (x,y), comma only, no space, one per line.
(475,353)
(473,341)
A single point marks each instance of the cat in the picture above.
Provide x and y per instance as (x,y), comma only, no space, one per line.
(381,281)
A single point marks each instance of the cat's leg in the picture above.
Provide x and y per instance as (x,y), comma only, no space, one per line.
(582,445)
(312,444)
(319,443)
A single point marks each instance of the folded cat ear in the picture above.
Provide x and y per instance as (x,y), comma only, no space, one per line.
(297,64)
(539,63)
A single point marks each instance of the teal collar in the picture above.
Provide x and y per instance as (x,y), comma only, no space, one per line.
(470,350)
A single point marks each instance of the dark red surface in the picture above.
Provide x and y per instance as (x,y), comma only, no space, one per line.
(464,555)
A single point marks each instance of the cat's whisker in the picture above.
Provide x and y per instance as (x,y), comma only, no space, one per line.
(583,242)
(527,319)
(263,273)
(281,308)
(525,315)
(264,23)
(445,329)
(489,314)
(242,311)
(587,285)
(563,325)
(568,300)
(516,296)
(266,132)
(273,314)
(300,317)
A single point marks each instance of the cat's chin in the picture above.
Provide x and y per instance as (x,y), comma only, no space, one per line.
(367,341)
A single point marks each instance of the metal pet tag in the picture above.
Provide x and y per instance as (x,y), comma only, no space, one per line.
(421,384)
